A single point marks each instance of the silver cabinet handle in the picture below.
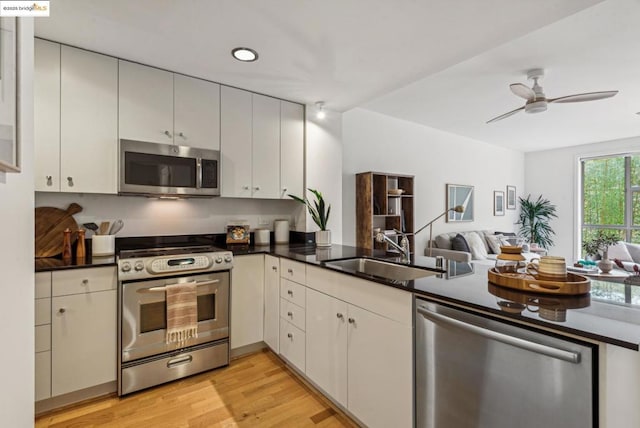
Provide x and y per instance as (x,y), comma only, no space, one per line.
(290,314)
(352,321)
(62,310)
(245,187)
(290,271)
(561,354)
(85,282)
(290,335)
(274,268)
(339,315)
(168,134)
(49,180)
(290,293)
(256,188)
(70,181)
(181,134)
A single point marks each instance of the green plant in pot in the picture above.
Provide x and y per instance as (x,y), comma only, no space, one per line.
(319,211)
(534,219)
(601,242)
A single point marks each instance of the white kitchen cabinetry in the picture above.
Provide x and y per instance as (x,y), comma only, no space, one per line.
(292,312)
(42,335)
(76,120)
(83,339)
(247,300)
(359,346)
(162,107)
(272,302)
(262,145)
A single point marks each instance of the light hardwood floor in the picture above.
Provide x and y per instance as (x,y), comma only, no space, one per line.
(253,391)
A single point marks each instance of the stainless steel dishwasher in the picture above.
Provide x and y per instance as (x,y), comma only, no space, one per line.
(473,372)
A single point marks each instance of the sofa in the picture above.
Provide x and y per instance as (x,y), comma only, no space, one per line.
(484,246)
(627,253)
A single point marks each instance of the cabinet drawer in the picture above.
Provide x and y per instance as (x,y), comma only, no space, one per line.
(43,338)
(293,292)
(293,271)
(292,313)
(81,281)
(292,344)
(43,375)
(43,311)
(43,285)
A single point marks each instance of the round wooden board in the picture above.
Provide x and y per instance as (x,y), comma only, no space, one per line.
(50,224)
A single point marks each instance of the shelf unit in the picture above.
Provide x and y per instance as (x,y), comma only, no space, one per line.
(377,208)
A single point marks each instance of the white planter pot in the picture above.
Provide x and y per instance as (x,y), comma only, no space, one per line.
(323,238)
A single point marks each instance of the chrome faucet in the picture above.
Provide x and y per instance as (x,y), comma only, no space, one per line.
(403,247)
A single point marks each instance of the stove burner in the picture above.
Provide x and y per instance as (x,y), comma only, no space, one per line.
(166,251)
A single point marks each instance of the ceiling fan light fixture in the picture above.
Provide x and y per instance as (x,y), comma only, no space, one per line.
(320,113)
(536,107)
(245,54)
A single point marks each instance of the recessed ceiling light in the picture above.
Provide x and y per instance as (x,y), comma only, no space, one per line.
(245,54)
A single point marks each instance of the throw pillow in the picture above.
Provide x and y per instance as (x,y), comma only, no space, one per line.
(476,245)
(494,241)
(443,241)
(506,233)
(458,243)
(619,251)
(634,250)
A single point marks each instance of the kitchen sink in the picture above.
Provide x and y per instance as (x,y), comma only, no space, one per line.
(381,269)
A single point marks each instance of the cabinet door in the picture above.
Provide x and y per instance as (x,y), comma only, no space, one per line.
(271,302)
(380,363)
(145,96)
(88,122)
(247,300)
(292,344)
(326,345)
(235,142)
(291,149)
(196,107)
(46,112)
(83,342)
(266,147)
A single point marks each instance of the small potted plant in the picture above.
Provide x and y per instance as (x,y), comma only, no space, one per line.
(601,242)
(319,211)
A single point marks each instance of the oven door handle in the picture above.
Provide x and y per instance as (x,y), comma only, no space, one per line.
(164,288)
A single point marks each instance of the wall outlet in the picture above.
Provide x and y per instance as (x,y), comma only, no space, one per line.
(263,221)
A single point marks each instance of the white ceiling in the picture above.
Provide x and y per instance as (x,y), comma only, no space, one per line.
(452,60)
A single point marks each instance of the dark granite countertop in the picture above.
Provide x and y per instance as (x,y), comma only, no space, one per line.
(610,313)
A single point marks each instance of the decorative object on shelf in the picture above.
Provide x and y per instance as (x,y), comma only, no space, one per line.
(9,142)
(498,203)
(459,195)
(510,259)
(534,221)
(320,214)
(511,197)
(238,234)
(396,192)
(457,209)
(601,242)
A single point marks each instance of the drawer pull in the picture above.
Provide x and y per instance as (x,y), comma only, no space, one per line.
(290,336)
(274,268)
(339,315)
(290,314)
(290,271)
(352,321)
(85,281)
(179,361)
(62,310)
(290,293)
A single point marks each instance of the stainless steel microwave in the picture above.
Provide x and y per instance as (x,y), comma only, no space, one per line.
(168,170)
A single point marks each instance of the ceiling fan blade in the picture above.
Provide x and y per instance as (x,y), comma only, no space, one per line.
(523,91)
(589,96)
(504,116)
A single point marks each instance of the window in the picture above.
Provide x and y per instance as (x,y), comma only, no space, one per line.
(611,196)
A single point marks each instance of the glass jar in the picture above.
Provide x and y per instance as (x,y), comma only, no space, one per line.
(510,260)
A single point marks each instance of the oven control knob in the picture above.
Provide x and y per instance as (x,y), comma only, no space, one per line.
(227,259)
(126,267)
(139,266)
(218,260)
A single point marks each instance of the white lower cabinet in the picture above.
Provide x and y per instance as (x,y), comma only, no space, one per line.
(292,344)
(247,300)
(42,321)
(272,302)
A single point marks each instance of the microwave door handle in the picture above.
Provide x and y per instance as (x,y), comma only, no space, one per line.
(199,173)
(164,288)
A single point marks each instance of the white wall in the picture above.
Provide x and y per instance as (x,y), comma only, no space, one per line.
(16,260)
(554,174)
(376,142)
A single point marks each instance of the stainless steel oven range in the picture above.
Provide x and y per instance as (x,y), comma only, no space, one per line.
(144,358)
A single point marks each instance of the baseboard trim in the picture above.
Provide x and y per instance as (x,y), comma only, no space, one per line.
(75,397)
(247,349)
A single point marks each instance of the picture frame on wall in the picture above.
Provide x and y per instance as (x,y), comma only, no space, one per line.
(459,194)
(511,197)
(9,143)
(498,203)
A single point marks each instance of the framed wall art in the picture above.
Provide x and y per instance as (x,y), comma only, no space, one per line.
(9,144)
(458,194)
(498,202)
(511,197)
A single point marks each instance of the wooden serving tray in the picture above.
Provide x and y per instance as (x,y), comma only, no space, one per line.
(573,285)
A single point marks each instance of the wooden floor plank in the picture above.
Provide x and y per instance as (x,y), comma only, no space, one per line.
(254,391)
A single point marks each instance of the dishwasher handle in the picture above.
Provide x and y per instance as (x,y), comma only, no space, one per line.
(561,354)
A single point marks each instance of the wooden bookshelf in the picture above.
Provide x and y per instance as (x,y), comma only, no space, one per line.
(376,207)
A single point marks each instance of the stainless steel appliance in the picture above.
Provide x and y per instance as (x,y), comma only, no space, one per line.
(168,170)
(473,372)
(144,358)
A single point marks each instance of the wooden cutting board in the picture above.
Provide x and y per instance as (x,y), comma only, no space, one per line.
(50,225)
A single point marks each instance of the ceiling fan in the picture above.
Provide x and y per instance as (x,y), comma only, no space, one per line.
(537,101)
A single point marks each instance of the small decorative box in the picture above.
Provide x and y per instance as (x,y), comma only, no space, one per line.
(238,234)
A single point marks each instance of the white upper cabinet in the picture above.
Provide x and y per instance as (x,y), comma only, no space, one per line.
(162,107)
(196,112)
(76,120)
(291,149)
(88,122)
(47,116)
(235,142)
(266,147)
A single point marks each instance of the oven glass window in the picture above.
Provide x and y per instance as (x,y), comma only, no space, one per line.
(153,316)
(161,171)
